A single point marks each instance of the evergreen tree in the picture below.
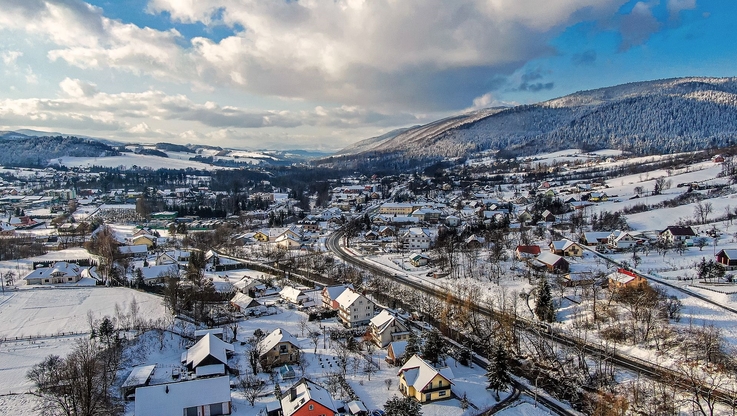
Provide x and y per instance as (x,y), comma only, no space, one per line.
(277,390)
(497,373)
(413,346)
(544,310)
(432,349)
(403,406)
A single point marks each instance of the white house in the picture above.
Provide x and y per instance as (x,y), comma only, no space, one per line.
(60,272)
(621,240)
(354,309)
(294,295)
(417,238)
(386,328)
(200,397)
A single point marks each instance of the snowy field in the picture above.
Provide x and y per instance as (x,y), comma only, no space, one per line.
(128,160)
(45,313)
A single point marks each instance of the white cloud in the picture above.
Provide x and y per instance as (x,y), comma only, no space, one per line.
(76,88)
(676,6)
(9,57)
(421,54)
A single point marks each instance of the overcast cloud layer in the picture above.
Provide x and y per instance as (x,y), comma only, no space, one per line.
(310,74)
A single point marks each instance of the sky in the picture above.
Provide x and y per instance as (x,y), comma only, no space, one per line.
(323,74)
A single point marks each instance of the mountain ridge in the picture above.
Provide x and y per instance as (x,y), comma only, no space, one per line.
(668,115)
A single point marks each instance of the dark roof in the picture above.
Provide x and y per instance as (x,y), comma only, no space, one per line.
(676,230)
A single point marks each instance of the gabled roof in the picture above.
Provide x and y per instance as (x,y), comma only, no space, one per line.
(292,294)
(398,347)
(561,244)
(680,231)
(275,338)
(208,345)
(244,301)
(728,253)
(305,390)
(622,276)
(346,299)
(418,373)
(549,258)
(384,320)
(534,250)
(334,291)
(170,399)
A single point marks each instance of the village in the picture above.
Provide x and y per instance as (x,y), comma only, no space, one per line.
(251,312)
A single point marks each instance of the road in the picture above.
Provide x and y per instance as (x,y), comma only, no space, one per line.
(644,368)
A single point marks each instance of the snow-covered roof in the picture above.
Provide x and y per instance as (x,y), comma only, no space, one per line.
(292,294)
(139,376)
(382,320)
(622,276)
(305,390)
(244,301)
(154,272)
(274,338)
(137,249)
(173,398)
(208,345)
(418,373)
(334,291)
(398,347)
(346,299)
(62,268)
(210,370)
(561,244)
(549,258)
(356,407)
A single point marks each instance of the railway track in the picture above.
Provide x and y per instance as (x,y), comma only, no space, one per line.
(641,367)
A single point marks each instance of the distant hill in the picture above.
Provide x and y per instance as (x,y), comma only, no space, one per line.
(662,116)
(26,133)
(38,151)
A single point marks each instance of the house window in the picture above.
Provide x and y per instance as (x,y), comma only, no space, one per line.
(440,383)
(312,407)
(428,396)
(190,411)
(442,393)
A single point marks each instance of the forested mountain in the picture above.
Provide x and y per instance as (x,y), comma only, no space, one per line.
(661,116)
(37,151)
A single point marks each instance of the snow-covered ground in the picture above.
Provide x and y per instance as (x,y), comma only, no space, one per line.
(127,160)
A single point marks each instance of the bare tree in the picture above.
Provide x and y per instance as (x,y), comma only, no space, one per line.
(702,211)
(388,383)
(252,387)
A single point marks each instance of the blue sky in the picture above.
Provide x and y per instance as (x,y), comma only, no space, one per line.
(323,74)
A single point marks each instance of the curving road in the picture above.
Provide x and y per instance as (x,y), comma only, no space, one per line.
(639,366)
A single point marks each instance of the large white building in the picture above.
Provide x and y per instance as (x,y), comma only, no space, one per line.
(354,309)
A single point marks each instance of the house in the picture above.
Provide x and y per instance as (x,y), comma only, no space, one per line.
(371,235)
(474,242)
(421,381)
(621,240)
(419,259)
(288,242)
(727,257)
(595,238)
(717,159)
(260,236)
(208,355)
(395,352)
(524,217)
(294,295)
(566,248)
(598,197)
(199,397)
(354,309)
(6,229)
(548,216)
(676,234)
(157,274)
(416,238)
(387,231)
(144,239)
(386,328)
(242,302)
(201,333)
(136,251)
(452,221)
(306,398)
(625,278)
(397,209)
(60,272)
(526,252)
(330,293)
(551,262)
(356,408)
(278,348)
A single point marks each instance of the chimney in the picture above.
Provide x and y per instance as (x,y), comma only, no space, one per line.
(292,394)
